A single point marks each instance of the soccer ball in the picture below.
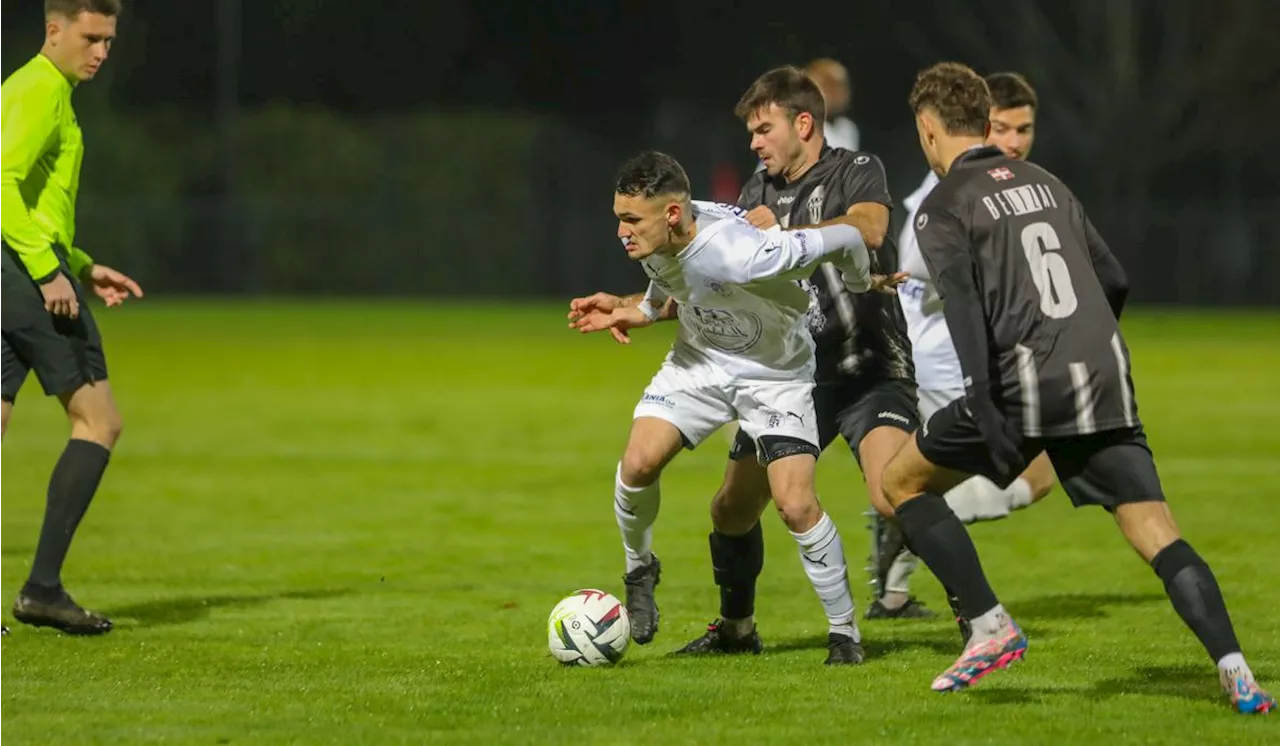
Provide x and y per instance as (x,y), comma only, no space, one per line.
(589,628)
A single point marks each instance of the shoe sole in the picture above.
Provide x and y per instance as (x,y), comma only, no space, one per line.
(69,629)
(1003,662)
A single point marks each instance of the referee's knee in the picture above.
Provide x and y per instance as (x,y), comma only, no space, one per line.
(97,420)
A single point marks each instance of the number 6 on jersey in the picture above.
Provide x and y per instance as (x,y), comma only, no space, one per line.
(1049,270)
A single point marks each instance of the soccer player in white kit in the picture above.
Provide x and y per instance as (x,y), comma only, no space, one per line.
(938,377)
(743,353)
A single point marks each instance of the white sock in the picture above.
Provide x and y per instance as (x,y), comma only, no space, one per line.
(822,556)
(899,575)
(1234,662)
(636,508)
(979,499)
(990,625)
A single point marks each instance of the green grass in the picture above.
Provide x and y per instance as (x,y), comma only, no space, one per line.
(347,523)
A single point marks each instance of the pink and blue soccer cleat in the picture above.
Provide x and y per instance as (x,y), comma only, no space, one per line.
(1246,696)
(982,658)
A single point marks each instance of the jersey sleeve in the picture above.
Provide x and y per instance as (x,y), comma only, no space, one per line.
(864,180)
(1111,275)
(654,299)
(78,261)
(793,254)
(945,246)
(29,129)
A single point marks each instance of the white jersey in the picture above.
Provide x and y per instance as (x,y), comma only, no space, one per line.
(841,132)
(934,354)
(743,299)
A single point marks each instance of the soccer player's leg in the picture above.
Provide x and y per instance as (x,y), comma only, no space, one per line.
(1115,469)
(781,419)
(737,552)
(67,358)
(978,498)
(677,410)
(947,451)
(876,423)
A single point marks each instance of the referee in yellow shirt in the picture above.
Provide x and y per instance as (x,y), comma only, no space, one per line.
(47,326)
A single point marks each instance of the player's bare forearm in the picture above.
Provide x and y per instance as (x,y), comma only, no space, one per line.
(870,218)
(630,301)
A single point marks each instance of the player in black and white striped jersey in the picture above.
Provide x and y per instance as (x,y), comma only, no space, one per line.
(1032,297)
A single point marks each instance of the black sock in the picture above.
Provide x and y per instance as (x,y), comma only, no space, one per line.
(736,562)
(939,538)
(75,479)
(1196,597)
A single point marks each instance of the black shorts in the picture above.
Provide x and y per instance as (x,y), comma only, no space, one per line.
(1107,468)
(64,353)
(851,410)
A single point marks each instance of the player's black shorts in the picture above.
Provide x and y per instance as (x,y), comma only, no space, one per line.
(64,353)
(1107,468)
(852,409)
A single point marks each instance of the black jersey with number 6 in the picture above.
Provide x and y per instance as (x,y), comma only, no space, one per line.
(1032,296)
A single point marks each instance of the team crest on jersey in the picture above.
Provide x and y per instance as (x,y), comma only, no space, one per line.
(1000,174)
(718,288)
(815,202)
(729,331)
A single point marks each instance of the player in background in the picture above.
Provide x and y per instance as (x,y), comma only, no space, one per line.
(837,92)
(1032,296)
(47,325)
(742,353)
(863,391)
(938,378)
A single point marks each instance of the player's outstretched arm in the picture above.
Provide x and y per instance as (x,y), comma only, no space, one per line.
(793,255)
(871,219)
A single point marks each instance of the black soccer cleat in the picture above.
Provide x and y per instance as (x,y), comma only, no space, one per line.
(912,609)
(718,640)
(843,651)
(641,608)
(966,629)
(59,612)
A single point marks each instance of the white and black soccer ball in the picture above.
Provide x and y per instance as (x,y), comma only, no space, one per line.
(589,628)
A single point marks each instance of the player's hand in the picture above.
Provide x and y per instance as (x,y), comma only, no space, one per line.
(594,302)
(618,322)
(888,284)
(762,217)
(112,286)
(60,296)
(1002,438)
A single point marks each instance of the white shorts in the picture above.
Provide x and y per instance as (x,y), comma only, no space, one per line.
(698,402)
(931,400)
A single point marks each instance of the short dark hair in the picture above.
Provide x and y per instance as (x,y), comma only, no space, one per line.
(957,94)
(788,87)
(652,174)
(73,8)
(1011,91)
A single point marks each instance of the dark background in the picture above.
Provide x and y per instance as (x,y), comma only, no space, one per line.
(466,148)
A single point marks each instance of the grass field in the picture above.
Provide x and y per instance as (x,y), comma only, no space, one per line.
(347,523)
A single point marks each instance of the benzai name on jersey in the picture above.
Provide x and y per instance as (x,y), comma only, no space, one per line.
(1020,267)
